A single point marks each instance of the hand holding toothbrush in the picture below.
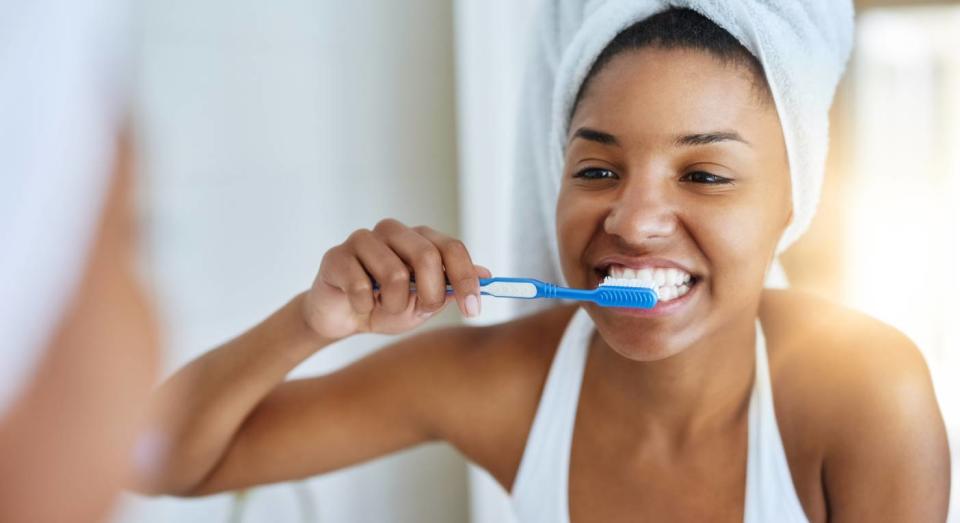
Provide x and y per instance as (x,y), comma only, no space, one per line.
(391,279)
(343,300)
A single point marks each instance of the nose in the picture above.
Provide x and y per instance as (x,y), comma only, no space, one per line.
(641,213)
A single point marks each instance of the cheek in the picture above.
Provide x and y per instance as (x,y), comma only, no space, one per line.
(739,240)
(578,217)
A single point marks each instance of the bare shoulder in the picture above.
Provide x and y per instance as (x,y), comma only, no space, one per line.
(838,359)
(481,385)
(809,330)
(857,392)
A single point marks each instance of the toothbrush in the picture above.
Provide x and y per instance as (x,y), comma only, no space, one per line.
(612,292)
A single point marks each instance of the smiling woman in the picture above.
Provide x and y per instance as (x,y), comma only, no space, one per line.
(672,155)
(676,170)
(724,402)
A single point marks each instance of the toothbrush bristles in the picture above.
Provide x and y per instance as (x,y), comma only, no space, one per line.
(610,281)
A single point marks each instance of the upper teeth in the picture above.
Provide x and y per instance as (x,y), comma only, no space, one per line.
(670,283)
(659,275)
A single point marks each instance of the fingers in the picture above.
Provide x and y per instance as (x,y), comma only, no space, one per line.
(386,268)
(483,272)
(342,270)
(390,254)
(459,269)
(425,259)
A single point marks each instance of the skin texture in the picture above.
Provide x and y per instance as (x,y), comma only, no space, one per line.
(661,429)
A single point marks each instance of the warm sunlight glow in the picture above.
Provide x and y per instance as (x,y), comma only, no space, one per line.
(903,223)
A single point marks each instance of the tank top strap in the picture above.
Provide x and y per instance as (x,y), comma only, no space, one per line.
(770,494)
(539,492)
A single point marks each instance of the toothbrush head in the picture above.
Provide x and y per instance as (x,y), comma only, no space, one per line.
(626,292)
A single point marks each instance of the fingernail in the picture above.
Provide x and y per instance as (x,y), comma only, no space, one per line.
(472,304)
(424,314)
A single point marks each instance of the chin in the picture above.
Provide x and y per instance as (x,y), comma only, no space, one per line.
(645,354)
(636,339)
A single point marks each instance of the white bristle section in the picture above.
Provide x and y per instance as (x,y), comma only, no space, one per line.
(610,281)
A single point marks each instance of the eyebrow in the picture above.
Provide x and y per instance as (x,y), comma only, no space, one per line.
(711,137)
(686,140)
(594,135)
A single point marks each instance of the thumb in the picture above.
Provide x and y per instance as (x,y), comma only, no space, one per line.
(482,271)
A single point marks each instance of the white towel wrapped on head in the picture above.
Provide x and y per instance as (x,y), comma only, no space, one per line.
(803,46)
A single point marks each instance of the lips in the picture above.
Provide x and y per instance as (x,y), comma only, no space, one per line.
(674,282)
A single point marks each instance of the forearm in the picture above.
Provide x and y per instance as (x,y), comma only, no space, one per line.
(199,410)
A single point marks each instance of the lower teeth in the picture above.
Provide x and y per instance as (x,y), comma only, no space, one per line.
(672,292)
(664,292)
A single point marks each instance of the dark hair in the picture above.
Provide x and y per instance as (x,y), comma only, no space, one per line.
(680,28)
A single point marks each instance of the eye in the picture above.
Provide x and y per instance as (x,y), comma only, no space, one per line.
(595,174)
(705,178)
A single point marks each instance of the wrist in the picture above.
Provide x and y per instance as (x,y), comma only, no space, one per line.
(303,329)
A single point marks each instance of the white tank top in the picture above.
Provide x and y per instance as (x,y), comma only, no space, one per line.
(540,489)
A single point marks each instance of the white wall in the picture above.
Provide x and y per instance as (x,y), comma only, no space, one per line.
(492,40)
(269,131)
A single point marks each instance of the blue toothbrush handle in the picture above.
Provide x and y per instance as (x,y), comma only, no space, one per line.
(606,296)
(483,281)
(529,288)
(524,288)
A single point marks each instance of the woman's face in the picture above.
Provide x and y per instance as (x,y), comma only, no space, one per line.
(676,164)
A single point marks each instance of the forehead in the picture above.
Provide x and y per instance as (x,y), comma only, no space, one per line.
(670,91)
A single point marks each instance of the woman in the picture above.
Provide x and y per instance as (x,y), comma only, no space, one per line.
(657,415)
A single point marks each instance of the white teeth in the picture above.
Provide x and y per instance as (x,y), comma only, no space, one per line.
(645,274)
(670,283)
(667,292)
(660,276)
(628,282)
(674,276)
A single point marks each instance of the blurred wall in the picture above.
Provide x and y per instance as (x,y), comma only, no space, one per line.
(268,132)
(492,41)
